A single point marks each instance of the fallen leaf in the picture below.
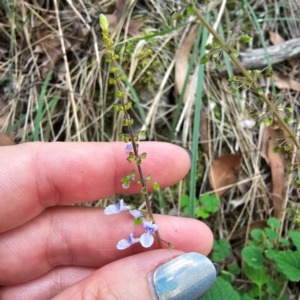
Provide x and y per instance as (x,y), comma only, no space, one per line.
(286,82)
(224,171)
(277,39)
(182,64)
(6,140)
(134,25)
(278,163)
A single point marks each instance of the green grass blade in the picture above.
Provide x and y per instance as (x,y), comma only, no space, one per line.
(39,114)
(51,105)
(197,114)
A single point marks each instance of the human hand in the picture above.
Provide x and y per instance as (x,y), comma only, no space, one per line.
(51,249)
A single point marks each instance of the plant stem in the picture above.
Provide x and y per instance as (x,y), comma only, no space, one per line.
(247,76)
(136,153)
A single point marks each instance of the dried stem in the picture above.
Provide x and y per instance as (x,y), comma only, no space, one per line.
(254,85)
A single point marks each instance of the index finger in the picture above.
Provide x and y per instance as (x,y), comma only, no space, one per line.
(35,176)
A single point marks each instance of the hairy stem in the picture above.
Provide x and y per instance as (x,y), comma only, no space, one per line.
(247,76)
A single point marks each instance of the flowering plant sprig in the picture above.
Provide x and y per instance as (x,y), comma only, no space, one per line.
(132,148)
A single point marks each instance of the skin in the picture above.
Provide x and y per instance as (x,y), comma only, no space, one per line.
(49,248)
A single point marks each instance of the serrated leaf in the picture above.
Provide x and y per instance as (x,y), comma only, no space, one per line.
(273,223)
(257,275)
(221,290)
(210,202)
(221,250)
(289,264)
(253,256)
(295,237)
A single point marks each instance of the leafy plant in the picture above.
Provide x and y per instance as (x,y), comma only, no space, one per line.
(267,262)
(204,207)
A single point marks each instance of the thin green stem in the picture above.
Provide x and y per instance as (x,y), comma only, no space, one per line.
(254,85)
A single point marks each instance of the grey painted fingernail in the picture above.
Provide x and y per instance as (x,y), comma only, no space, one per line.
(187,277)
(189,152)
(217,267)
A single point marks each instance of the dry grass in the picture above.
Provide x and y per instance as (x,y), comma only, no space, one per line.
(77,102)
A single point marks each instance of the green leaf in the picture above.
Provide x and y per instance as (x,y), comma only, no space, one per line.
(295,237)
(235,53)
(202,213)
(138,221)
(156,186)
(257,275)
(143,155)
(204,59)
(271,234)
(257,235)
(234,269)
(284,242)
(288,121)
(221,250)
(270,254)
(234,90)
(289,264)
(144,190)
(190,9)
(273,287)
(246,38)
(185,200)
(269,122)
(222,290)
(260,91)
(253,256)
(273,223)
(103,22)
(208,46)
(210,202)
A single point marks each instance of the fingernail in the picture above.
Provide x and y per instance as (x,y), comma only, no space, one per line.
(217,267)
(188,277)
(189,152)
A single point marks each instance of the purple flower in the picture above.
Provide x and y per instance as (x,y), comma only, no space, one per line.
(147,238)
(124,244)
(136,213)
(116,208)
(129,147)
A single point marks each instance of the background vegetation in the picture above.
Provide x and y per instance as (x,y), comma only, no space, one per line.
(54,86)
